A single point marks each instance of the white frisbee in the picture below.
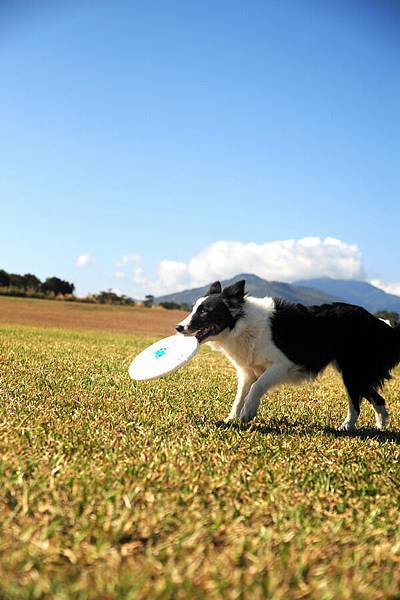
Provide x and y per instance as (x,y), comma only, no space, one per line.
(163,357)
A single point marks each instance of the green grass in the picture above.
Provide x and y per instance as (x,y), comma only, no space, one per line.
(115,489)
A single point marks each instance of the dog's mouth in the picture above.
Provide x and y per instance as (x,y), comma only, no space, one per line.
(206,332)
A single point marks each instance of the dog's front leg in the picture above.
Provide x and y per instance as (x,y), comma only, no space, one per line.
(245,378)
(275,375)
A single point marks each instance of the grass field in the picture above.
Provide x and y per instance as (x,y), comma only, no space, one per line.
(115,489)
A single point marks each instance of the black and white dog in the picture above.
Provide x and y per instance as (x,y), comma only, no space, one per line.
(270,341)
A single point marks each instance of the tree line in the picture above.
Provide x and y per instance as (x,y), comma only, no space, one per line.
(29,285)
(109,297)
(148,302)
(14,284)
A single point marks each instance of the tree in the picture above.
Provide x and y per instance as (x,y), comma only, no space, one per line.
(4,278)
(16,281)
(106,297)
(31,282)
(149,301)
(110,297)
(57,286)
(170,305)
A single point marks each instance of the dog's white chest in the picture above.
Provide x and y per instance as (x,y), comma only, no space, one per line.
(239,350)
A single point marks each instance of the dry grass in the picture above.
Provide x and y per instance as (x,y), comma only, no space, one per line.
(77,315)
(115,489)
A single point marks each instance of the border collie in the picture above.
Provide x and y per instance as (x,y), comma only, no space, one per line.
(270,341)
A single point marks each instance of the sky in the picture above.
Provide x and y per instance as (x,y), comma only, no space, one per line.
(149,147)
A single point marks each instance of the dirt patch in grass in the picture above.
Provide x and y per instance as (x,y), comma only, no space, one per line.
(79,316)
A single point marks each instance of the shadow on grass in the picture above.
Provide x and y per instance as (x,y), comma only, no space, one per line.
(285,427)
(366,433)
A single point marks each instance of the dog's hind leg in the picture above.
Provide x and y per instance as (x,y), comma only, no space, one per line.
(245,379)
(276,374)
(354,398)
(378,404)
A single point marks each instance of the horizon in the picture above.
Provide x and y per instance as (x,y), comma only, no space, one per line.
(300,283)
(173,145)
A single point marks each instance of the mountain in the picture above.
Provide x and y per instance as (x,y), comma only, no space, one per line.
(258,287)
(355,292)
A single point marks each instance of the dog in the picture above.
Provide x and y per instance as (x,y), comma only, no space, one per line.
(270,341)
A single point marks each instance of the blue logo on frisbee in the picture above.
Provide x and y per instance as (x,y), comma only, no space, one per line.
(160,352)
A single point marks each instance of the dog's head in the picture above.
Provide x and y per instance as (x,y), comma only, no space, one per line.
(216,311)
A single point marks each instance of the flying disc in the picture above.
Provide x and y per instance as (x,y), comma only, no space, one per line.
(163,357)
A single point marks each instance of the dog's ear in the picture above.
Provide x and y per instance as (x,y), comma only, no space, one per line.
(234,294)
(215,288)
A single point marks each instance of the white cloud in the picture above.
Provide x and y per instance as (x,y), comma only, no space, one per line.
(119,275)
(131,258)
(138,276)
(128,258)
(390,288)
(84,259)
(282,260)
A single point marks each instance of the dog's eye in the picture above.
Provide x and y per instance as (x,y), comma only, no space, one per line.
(202,310)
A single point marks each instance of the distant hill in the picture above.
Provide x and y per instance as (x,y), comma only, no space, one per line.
(356,292)
(258,287)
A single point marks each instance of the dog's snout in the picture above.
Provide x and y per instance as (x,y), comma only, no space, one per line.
(179,328)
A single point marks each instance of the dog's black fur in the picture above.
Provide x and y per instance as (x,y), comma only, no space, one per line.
(363,348)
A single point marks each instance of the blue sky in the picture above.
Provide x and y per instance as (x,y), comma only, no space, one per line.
(163,132)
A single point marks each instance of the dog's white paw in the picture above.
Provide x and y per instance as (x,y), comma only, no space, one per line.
(382,419)
(230,419)
(347,427)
